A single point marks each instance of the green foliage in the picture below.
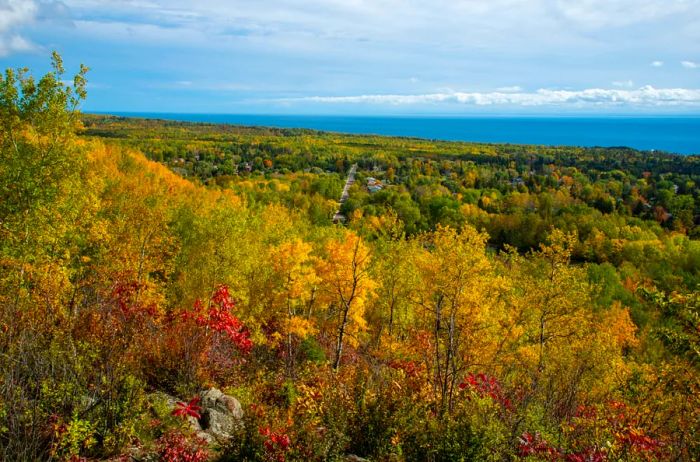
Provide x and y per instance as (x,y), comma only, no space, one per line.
(311,350)
(73,438)
(619,201)
(441,441)
(38,119)
(681,330)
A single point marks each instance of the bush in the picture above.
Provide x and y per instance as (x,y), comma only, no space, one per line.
(441,440)
(177,447)
(311,350)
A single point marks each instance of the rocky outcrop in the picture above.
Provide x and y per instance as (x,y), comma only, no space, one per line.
(221,414)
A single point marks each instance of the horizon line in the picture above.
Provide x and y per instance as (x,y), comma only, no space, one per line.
(596,115)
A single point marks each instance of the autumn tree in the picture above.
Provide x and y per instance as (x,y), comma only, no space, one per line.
(40,164)
(41,210)
(459,304)
(563,347)
(38,120)
(397,281)
(346,284)
(294,287)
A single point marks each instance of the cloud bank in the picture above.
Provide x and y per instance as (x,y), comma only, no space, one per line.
(644,96)
(243,55)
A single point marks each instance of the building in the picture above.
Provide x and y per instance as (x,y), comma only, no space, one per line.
(374,185)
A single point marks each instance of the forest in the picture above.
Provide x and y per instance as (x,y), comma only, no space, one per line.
(478,302)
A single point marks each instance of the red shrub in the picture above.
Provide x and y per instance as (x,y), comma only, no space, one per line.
(534,445)
(176,447)
(484,385)
(219,318)
(276,444)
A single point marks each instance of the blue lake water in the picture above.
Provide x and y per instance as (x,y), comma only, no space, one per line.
(678,134)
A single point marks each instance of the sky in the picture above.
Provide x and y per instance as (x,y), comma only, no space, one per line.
(368,56)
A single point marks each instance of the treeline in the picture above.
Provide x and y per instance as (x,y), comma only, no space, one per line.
(389,339)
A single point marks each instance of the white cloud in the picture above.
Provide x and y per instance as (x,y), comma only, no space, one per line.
(690,64)
(469,23)
(644,96)
(372,34)
(14,14)
(657,64)
(14,44)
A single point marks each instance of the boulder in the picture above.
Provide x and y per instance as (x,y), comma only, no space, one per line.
(221,414)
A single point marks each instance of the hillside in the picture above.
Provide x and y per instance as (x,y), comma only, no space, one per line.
(481,302)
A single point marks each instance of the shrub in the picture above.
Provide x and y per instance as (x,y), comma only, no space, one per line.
(441,440)
(177,447)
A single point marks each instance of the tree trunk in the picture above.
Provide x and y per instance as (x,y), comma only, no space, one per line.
(341,333)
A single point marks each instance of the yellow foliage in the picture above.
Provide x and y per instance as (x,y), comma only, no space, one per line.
(618,323)
(301,327)
(346,286)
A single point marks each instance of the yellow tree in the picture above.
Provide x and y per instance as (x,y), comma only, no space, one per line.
(136,205)
(294,284)
(225,242)
(565,348)
(550,300)
(347,285)
(459,299)
(397,280)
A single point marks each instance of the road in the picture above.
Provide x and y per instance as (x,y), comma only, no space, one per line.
(338,217)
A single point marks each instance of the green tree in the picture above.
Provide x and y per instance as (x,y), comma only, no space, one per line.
(38,121)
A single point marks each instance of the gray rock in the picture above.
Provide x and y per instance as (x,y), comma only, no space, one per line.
(221,414)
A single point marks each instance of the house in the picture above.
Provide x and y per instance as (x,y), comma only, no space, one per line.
(374,185)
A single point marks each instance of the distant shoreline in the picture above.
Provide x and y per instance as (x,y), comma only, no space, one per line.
(673,134)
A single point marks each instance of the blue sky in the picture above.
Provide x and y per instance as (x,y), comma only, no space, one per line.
(368,56)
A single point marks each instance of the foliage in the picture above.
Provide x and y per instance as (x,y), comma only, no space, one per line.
(176,447)
(488,303)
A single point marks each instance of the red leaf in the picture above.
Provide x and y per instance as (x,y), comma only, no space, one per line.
(190,409)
